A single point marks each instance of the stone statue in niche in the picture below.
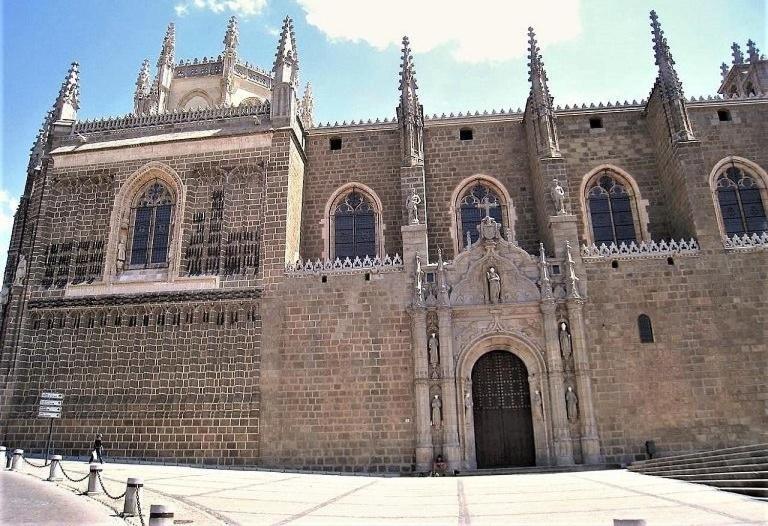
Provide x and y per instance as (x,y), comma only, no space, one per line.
(571,404)
(412,205)
(538,403)
(558,197)
(468,402)
(120,254)
(437,405)
(566,349)
(494,285)
(434,346)
(3,298)
(21,270)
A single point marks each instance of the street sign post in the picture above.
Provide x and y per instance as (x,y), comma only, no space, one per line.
(49,406)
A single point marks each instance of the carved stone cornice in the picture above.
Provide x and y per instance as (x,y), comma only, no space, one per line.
(147,298)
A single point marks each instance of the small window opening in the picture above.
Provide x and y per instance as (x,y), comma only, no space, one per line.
(465,134)
(367,276)
(145,320)
(430,277)
(335,143)
(595,123)
(724,115)
(324,279)
(645,328)
(614,264)
(670,261)
(556,269)
(132,321)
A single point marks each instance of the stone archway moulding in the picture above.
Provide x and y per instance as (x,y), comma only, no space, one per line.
(750,167)
(326,223)
(121,215)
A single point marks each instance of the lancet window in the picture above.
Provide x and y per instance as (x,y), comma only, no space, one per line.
(472,207)
(611,210)
(740,196)
(354,219)
(151,219)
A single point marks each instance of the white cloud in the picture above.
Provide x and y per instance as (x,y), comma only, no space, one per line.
(8,206)
(477,30)
(243,8)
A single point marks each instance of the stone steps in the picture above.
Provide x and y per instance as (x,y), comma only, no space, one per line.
(742,469)
(538,469)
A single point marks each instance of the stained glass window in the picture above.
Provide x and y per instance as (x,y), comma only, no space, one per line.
(151,227)
(610,209)
(354,227)
(741,203)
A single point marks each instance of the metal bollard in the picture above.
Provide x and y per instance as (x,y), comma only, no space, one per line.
(55,473)
(94,488)
(3,458)
(160,515)
(16,460)
(132,492)
(628,522)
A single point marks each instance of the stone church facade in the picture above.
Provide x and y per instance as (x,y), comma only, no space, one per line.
(217,279)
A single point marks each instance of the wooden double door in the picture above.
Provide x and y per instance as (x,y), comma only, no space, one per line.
(502,411)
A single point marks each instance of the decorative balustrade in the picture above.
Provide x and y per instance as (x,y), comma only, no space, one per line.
(171,117)
(345,266)
(651,249)
(746,241)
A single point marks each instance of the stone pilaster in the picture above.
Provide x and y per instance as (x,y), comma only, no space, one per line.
(451,448)
(563,447)
(424,450)
(590,442)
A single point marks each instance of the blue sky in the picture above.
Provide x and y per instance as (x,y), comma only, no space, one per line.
(469,55)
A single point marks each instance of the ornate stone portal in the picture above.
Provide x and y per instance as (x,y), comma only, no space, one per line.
(496,297)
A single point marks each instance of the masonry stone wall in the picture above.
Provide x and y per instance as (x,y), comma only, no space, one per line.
(701,384)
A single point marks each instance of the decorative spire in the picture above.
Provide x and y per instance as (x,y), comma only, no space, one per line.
(441,279)
(752,51)
(410,114)
(143,87)
(545,282)
(669,84)
(738,56)
(724,69)
(68,102)
(169,47)
(286,67)
(232,36)
(307,107)
(572,284)
(541,101)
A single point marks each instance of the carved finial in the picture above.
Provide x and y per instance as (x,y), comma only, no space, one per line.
(286,66)
(141,95)
(541,101)
(667,74)
(169,47)
(752,51)
(307,107)
(572,279)
(232,36)
(738,56)
(545,282)
(408,76)
(409,111)
(724,69)
(68,101)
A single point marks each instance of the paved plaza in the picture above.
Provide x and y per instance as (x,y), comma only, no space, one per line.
(210,496)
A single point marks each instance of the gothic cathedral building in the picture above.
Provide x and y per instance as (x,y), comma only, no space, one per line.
(217,279)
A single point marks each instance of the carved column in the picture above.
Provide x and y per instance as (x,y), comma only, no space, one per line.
(451,448)
(563,447)
(424,451)
(590,442)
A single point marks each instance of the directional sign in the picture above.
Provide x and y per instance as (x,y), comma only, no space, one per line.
(50,405)
(47,414)
(48,395)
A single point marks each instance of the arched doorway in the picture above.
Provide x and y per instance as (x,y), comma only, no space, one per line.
(502,411)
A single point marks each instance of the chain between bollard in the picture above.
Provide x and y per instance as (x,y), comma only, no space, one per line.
(138,505)
(63,472)
(34,465)
(98,475)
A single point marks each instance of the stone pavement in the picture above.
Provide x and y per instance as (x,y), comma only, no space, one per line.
(24,500)
(209,496)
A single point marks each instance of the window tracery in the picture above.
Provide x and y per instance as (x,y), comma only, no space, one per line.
(611,211)
(354,221)
(470,213)
(150,223)
(740,197)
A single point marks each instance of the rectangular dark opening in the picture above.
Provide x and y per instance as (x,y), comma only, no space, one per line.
(465,134)
(724,115)
(335,143)
(595,123)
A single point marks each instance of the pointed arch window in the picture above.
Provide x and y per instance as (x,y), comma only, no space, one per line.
(354,221)
(740,196)
(150,226)
(645,328)
(611,211)
(470,213)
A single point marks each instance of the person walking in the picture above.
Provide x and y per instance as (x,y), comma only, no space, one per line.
(98,449)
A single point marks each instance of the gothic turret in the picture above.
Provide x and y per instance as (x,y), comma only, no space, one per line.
(165,68)
(410,114)
(229,59)
(141,101)
(745,78)
(540,102)
(307,107)
(669,85)
(284,105)
(68,102)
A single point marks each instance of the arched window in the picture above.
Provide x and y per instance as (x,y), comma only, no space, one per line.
(472,207)
(739,195)
(645,329)
(151,217)
(611,210)
(354,226)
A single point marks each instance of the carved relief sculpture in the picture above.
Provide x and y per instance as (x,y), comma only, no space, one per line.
(21,270)
(437,405)
(412,205)
(538,403)
(494,285)
(558,197)
(571,404)
(120,255)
